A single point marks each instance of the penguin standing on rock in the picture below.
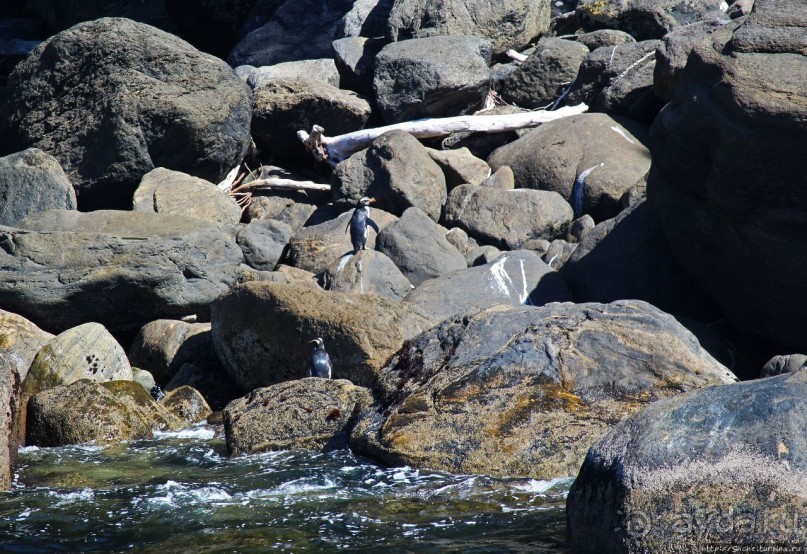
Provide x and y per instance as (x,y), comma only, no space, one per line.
(320,364)
(359,222)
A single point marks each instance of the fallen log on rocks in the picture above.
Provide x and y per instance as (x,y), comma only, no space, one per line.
(335,149)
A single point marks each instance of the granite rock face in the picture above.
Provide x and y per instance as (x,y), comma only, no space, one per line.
(69,258)
(151,98)
(524,391)
(727,179)
(735,452)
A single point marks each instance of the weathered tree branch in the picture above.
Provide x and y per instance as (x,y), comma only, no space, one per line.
(335,149)
(278,183)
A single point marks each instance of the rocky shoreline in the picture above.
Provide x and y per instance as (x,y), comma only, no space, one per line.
(596,295)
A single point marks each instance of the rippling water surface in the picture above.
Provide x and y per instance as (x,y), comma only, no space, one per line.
(181,493)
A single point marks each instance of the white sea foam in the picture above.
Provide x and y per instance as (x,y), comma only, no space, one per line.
(200,432)
(84,495)
(538,486)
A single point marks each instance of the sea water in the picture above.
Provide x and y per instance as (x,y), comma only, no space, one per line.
(180,492)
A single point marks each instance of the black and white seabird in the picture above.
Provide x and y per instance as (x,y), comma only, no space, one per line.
(320,365)
(359,222)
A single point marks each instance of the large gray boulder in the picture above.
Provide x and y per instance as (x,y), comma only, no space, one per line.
(431,77)
(514,278)
(605,154)
(62,268)
(263,242)
(355,57)
(304,414)
(726,178)
(322,70)
(507,218)
(524,391)
(360,332)
(540,80)
(397,171)
(285,106)
(300,30)
(165,191)
(149,97)
(164,345)
(506,23)
(32,181)
(419,247)
(367,18)
(646,19)
(725,462)
(314,248)
(367,272)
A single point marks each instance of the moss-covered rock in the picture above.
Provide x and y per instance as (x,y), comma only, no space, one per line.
(187,404)
(525,391)
(310,414)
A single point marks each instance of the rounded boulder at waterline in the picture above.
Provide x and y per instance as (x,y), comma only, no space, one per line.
(525,391)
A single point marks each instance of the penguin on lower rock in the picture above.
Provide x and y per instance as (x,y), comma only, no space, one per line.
(320,364)
(359,222)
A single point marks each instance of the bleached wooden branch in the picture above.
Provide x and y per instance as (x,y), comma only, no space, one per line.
(517,57)
(278,183)
(335,149)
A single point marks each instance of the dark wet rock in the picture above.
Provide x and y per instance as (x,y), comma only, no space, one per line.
(187,404)
(524,391)
(149,97)
(85,411)
(645,19)
(315,248)
(263,242)
(360,332)
(515,278)
(367,272)
(438,76)
(69,258)
(507,23)
(419,247)
(629,257)
(727,173)
(788,363)
(460,166)
(260,14)
(604,37)
(507,218)
(167,192)
(618,80)
(305,414)
(285,106)
(397,171)
(355,57)
(32,181)
(61,14)
(735,452)
(608,151)
(322,70)
(164,345)
(210,25)
(540,80)
(300,30)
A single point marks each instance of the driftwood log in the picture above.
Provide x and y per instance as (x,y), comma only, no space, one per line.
(336,149)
